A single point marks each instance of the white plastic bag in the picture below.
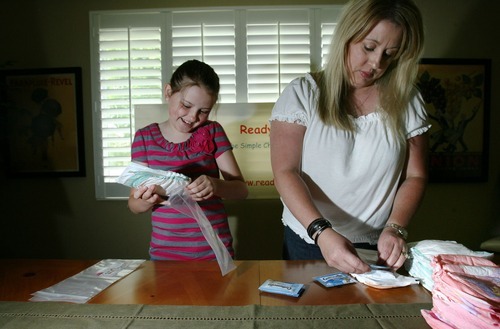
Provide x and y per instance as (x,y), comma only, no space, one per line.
(136,175)
(81,287)
(182,202)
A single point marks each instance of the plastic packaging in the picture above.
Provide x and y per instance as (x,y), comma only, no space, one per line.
(282,288)
(81,287)
(334,279)
(182,202)
(136,175)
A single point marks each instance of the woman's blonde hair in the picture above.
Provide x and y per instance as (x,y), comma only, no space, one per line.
(396,85)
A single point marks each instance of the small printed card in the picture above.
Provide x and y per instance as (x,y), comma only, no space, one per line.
(335,279)
(282,288)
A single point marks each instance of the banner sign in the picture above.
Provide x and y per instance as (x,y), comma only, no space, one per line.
(248,128)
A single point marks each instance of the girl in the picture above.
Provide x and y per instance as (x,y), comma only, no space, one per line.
(190,144)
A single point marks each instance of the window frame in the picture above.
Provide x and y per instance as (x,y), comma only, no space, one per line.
(317,15)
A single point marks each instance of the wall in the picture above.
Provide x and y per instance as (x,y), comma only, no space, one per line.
(60,218)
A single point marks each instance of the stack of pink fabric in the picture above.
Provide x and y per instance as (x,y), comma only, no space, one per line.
(466,293)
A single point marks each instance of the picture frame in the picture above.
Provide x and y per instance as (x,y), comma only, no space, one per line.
(456,93)
(43,116)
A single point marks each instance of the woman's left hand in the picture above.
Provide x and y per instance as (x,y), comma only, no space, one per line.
(392,249)
(202,188)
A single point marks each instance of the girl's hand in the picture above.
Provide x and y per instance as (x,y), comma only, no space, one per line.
(152,194)
(202,188)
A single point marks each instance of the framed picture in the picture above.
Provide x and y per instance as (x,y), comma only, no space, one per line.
(42,112)
(456,93)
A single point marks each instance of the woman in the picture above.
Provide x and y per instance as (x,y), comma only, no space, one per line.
(348,148)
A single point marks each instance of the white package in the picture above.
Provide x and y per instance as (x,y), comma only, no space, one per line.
(136,175)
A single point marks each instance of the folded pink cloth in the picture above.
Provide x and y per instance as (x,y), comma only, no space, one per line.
(466,293)
(435,322)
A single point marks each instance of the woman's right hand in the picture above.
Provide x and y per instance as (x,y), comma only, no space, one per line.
(340,253)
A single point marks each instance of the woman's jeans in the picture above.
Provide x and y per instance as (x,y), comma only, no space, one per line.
(294,248)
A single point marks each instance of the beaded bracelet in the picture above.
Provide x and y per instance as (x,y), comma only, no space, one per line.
(316,227)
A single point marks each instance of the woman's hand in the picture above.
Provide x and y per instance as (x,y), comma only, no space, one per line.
(202,188)
(392,249)
(340,253)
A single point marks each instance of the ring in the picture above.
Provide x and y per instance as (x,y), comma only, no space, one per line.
(405,254)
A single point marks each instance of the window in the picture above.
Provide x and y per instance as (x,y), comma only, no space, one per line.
(209,36)
(256,52)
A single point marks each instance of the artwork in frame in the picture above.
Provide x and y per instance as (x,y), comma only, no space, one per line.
(43,116)
(456,93)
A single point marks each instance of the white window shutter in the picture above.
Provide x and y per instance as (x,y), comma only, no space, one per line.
(328,18)
(130,73)
(278,44)
(208,36)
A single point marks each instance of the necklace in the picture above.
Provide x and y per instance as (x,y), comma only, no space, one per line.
(359,107)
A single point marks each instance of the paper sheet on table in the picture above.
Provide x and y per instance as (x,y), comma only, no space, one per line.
(81,287)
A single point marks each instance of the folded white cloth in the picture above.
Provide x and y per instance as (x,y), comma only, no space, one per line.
(422,253)
(384,279)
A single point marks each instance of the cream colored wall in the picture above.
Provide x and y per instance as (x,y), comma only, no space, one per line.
(60,218)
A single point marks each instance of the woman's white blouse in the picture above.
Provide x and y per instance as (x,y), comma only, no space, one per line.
(352,177)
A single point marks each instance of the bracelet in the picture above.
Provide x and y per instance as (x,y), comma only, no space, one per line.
(400,230)
(319,232)
(316,227)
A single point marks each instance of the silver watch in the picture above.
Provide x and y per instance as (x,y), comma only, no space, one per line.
(400,230)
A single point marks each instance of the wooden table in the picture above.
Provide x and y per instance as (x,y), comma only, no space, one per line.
(316,294)
(201,283)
